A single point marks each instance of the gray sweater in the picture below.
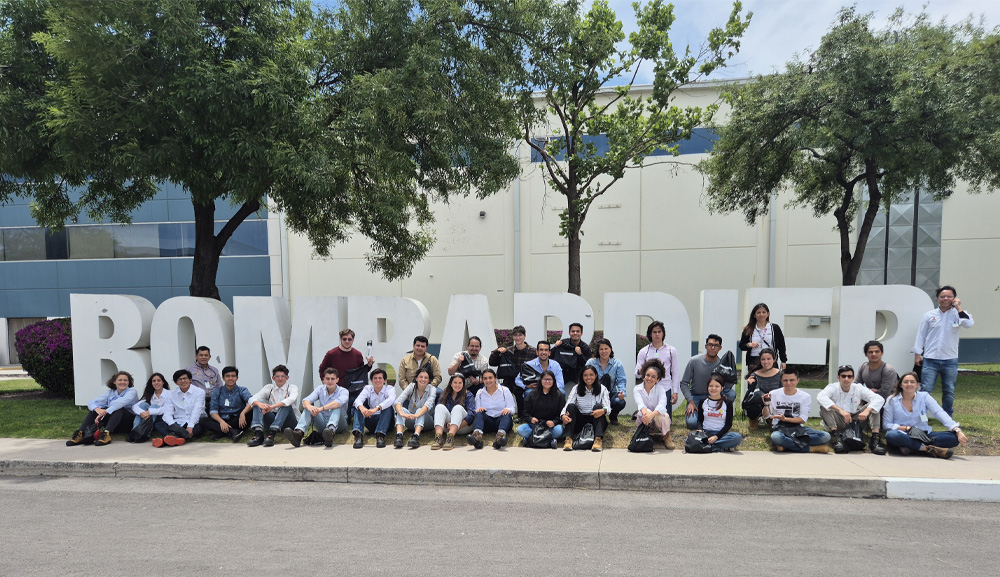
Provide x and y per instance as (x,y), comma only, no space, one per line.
(696,376)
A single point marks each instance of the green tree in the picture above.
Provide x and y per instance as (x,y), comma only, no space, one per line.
(585,53)
(869,116)
(350,120)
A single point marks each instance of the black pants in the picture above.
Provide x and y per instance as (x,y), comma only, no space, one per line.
(212,426)
(175,429)
(119,421)
(579,420)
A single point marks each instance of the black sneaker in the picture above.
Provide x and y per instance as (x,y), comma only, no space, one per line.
(875,445)
(379,440)
(328,434)
(269,441)
(500,442)
(399,441)
(236,434)
(359,440)
(838,446)
(475,439)
(613,420)
(414,441)
(294,436)
(258,438)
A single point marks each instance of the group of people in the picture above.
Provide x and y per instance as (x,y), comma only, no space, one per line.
(557,392)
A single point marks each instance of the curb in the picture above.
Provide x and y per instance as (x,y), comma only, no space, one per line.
(870,488)
(983,491)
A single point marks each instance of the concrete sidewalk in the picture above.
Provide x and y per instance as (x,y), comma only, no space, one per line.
(752,472)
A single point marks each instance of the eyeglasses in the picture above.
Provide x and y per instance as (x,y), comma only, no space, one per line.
(712,345)
(347,339)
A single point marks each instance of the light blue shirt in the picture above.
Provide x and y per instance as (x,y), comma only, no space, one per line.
(615,369)
(113,400)
(937,337)
(895,413)
(536,364)
(321,397)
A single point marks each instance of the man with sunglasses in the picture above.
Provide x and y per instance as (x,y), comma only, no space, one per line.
(844,402)
(344,358)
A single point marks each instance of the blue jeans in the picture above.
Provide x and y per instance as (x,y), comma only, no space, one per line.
(324,419)
(692,420)
(730,440)
(274,420)
(145,407)
(901,440)
(525,431)
(617,405)
(948,369)
(489,424)
(377,423)
(779,438)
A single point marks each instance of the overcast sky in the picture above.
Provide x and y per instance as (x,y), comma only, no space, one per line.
(782,28)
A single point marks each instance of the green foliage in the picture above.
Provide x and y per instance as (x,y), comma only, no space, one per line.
(350,120)
(583,54)
(871,113)
(45,349)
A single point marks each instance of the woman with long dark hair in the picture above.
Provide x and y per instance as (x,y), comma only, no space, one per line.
(455,410)
(606,364)
(759,334)
(109,413)
(767,378)
(151,404)
(542,405)
(586,403)
(715,417)
(651,399)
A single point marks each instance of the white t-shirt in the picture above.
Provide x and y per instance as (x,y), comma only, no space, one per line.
(715,419)
(799,404)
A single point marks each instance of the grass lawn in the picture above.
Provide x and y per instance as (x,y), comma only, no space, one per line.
(977,405)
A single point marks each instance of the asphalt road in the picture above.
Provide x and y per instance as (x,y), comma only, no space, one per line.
(107,527)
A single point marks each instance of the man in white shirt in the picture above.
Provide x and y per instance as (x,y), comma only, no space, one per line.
(373,409)
(184,408)
(274,408)
(788,409)
(936,348)
(845,402)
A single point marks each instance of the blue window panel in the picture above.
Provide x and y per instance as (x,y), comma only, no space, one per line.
(176,239)
(232,271)
(702,140)
(155,295)
(16,215)
(228,292)
(28,275)
(250,239)
(56,246)
(174,191)
(180,210)
(114,273)
(29,303)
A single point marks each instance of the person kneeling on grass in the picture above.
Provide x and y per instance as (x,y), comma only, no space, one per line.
(455,411)
(413,408)
(109,413)
(274,408)
(585,404)
(494,412)
(182,414)
(542,405)
(788,410)
(715,417)
(324,409)
(228,408)
(906,422)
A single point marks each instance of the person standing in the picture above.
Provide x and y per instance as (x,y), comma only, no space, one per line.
(667,354)
(759,334)
(514,356)
(936,348)
(344,357)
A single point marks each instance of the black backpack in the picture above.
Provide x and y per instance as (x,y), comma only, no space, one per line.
(506,369)
(468,367)
(697,442)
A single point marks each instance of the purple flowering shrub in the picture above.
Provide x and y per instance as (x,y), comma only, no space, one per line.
(46,352)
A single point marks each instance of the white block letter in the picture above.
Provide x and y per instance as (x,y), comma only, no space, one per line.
(182,324)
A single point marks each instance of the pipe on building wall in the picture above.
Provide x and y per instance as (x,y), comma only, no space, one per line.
(283,234)
(772,241)
(516,190)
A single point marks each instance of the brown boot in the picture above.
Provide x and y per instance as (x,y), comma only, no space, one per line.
(568,444)
(753,424)
(104,439)
(667,442)
(437,443)
(76,440)
(598,445)
(819,449)
(939,452)
(449,443)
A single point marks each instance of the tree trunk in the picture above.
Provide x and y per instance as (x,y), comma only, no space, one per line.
(874,202)
(208,246)
(574,260)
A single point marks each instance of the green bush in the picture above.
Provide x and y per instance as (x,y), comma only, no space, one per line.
(46,352)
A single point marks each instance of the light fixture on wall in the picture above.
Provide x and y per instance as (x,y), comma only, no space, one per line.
(482,214)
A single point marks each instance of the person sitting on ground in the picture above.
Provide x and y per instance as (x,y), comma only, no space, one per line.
(540,364)
(413,409)
(473,350)
(324,409)
(108,413)
(406,371)
(611,372)
(182,414)
(455,410)
(274,408)
(765,378)
(151,404)
(878,376)
(572,354)
(373,409)
(697,373)
(715,417)
(516,356)
(494,412)
(788,409)
(229,408)
(846,401)
(542,405)
(651,398)
(586,403)
(909,408)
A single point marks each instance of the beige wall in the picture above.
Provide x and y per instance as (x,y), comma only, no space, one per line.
(650,232)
